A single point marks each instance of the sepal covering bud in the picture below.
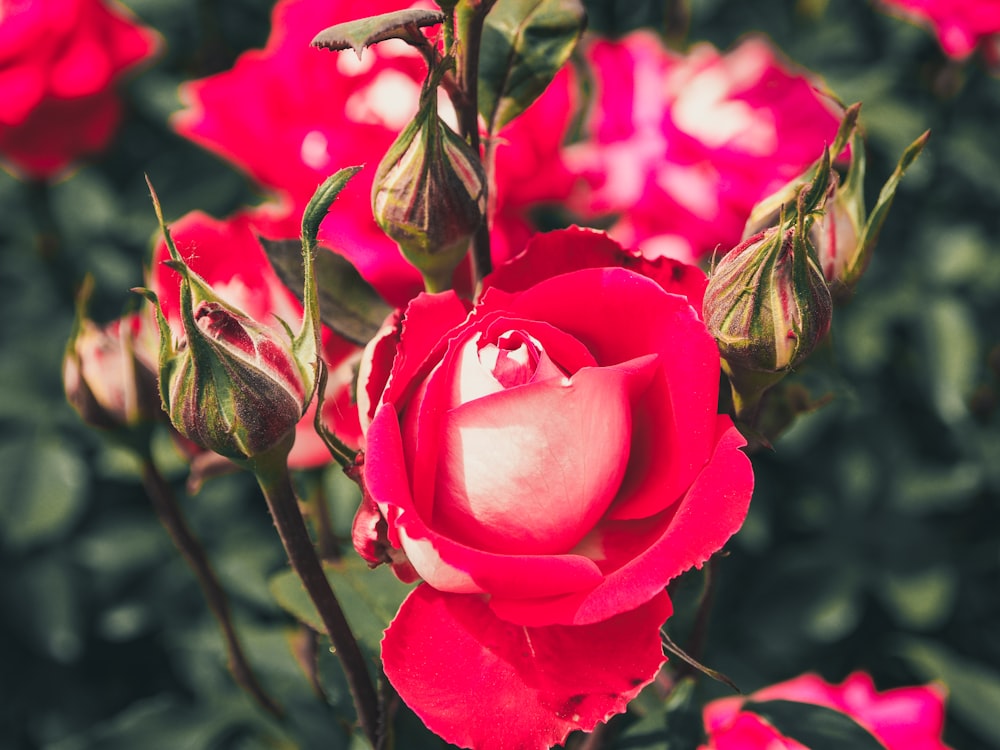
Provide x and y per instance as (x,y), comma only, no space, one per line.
(768,305)
(429,194)
(228,383)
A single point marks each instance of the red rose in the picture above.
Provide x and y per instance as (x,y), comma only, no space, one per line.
(546,462)
(961,26)
(229,257)
(683,147)
(59,60)
(910,718)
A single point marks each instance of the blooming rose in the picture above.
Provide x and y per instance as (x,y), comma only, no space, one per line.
(319,111)
(546,462)
(59,60)
(682,147)
(229,257)
(961,26)
(910,718)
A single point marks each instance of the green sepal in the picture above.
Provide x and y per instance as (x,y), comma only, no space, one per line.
(524,44)
(877,217)
(168,353)
(308,344)
(364,32)
(817,727)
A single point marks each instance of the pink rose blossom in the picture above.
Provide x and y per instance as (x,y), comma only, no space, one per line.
(546,463)
(682,147)
(961,26)
(319,111)
(910,718)
(229,257)
(59,63)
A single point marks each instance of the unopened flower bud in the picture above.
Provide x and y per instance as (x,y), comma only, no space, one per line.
(429,194)
(106,380)
(768,306)
(230,385)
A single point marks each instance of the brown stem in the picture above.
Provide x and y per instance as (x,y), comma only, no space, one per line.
(272,474)
(471,16)
(170,516)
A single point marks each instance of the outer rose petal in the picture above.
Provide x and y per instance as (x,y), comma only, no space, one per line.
(480,682)
(636,565)
(574,249)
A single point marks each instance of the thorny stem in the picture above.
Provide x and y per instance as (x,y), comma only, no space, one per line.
(271,471)
(170,516)
(471,16)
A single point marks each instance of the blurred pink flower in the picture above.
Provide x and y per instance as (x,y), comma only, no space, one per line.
(59,62)
(960,25)
(910,718)
(682,147)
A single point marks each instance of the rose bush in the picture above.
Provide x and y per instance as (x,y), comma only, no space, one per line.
(681,148)
(228,256)
(910,718)
(961,26)
(59,61)
(546,462)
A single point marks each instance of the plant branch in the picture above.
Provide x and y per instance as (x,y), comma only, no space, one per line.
(271,470)
(170,516)
(471,16)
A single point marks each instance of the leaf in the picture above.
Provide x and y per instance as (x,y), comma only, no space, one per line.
(369,598)
(816,727)
(525,43)
(974,689)
(348,303)
(44,485)
(364,32)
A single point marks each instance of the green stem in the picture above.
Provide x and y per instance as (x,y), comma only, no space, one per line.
(471,16)
(170,516)
(271,470)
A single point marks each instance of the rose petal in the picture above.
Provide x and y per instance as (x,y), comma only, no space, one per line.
(636,567)
(674,429)
(444,563)
(480,682)
(565,440)
(573,249)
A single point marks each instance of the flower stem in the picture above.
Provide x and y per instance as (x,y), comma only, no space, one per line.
(170,516)
(271,470)
(471,16)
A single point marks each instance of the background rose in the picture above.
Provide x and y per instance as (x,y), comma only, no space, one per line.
(910,718)
(682,147)
(59,60)
(227,254)
(546,463)
(960,25)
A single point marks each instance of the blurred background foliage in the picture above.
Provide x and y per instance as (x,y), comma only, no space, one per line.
(873,540)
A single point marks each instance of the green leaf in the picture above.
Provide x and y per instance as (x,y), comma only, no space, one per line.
(44,485)
(974,689)
(525,43)
(816,727)
(347,303)
(364,32)
(369,598)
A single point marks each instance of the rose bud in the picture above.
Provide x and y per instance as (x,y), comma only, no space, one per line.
(429,194)
(229,385)
(768,306)
(106,380)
